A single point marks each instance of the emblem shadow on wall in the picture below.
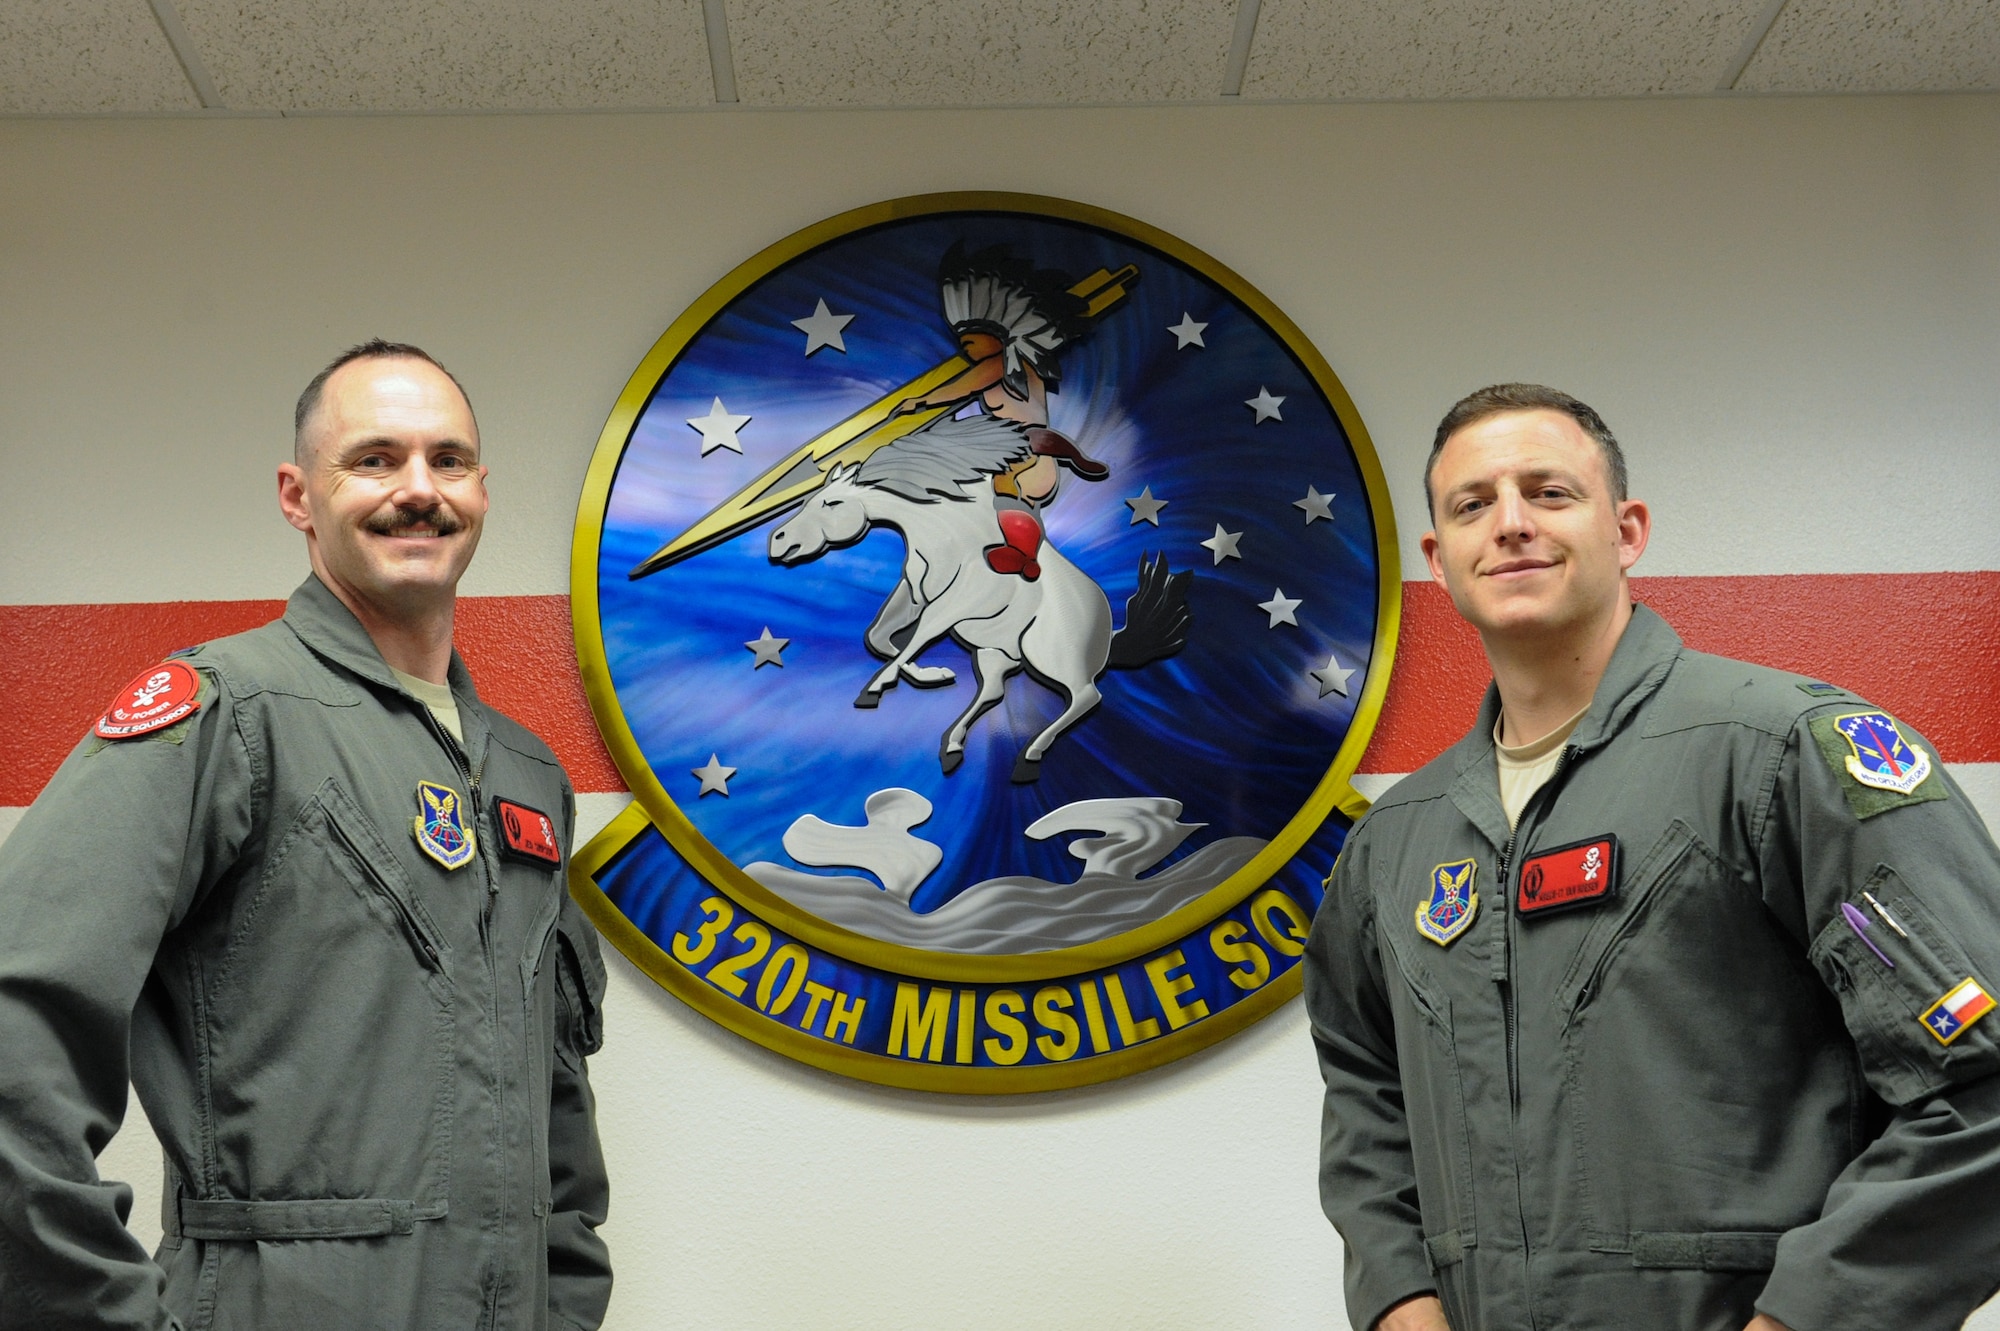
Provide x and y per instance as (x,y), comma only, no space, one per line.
(987,599)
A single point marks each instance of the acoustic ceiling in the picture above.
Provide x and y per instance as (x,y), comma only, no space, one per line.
(74,57)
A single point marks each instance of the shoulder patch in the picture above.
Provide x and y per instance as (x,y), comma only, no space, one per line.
(1877,766)
(1816,689)
(155,699)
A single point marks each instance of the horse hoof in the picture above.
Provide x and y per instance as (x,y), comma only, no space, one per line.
(950,759)
(1027,770)
(868,700)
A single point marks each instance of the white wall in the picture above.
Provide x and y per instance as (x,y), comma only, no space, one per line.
(1789,309)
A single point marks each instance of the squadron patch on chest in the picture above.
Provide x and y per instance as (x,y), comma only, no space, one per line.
(154,700)
(527,834)
(1447,912)
(1581,874)
(440,825)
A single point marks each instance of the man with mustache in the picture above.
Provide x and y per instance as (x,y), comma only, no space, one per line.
(1662,999)
(306,892)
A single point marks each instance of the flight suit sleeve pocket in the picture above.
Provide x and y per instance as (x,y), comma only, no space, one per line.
(1911,999)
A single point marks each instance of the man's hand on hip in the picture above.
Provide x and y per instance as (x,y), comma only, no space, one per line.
(1424,1313)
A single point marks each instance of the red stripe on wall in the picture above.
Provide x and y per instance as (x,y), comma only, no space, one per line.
(1924,646)
(65,661)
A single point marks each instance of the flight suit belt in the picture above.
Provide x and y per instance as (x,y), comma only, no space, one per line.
(311,1218)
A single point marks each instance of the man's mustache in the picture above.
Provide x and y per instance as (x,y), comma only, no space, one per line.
(437,518)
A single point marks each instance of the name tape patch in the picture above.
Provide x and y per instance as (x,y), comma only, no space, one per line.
(1581,874)
(528,834)
(154,700)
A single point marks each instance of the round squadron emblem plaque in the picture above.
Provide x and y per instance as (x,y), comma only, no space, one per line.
(987,598)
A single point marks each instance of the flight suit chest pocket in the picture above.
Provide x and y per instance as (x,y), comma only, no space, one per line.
(331,1016)
(1677,854)
(1921,1017)
(1434,1099)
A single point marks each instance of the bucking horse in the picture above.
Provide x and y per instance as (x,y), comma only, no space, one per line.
(935,489)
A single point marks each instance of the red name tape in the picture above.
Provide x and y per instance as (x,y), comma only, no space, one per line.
(1576,875)
(528,834)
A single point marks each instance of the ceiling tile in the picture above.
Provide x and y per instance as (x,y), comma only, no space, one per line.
(1494,48)
(452,55)
(71,56)
(1873,46)
(922,52)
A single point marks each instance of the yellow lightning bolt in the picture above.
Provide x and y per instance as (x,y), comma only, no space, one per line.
(792,481)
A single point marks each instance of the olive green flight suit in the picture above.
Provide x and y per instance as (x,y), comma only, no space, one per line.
(367,1071)
(1700,1098)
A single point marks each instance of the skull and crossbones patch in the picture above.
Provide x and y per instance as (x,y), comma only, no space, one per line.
(1581,874)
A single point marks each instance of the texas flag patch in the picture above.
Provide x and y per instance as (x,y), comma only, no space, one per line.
(1581,874)
(527,834)
(1947,1018)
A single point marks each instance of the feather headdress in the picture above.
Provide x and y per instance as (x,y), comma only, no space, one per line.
(1030,310)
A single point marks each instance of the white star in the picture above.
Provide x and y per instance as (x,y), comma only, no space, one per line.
(1264,405)
(1188,331)
(822,329)
(767,649)
(1332,679)
(714,777)
(1280,608)
(718,428)
(1315,505)
(1223,543)
(1145,508)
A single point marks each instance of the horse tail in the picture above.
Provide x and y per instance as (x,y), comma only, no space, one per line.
(1156,617)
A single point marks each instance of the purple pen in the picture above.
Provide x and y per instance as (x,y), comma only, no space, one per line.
(1859,923)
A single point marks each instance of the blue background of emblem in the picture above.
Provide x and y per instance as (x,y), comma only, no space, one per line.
(1233,726)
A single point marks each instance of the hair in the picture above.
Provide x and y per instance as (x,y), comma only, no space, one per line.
(1497,399)
(374,348)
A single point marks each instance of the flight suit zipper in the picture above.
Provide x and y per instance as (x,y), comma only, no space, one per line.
(1536,802)
(1534,805)
(472,778)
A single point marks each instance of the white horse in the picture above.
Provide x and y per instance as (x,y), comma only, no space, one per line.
(1058,626)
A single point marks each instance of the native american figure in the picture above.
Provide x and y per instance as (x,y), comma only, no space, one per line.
(1012,322)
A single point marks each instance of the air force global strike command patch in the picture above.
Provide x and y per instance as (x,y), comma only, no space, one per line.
(441,830)
(156,699)
(1048,785)
(1447,912)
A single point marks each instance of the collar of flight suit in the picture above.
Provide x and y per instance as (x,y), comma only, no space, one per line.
(1646,651)
(324,624)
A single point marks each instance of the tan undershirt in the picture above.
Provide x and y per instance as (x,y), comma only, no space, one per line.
(1526,769)
(436,697)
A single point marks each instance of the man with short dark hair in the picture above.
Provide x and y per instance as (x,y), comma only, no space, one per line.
(1660,1000)
(306,892)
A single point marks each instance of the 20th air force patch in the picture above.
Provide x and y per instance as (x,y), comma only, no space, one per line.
(1076,574)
